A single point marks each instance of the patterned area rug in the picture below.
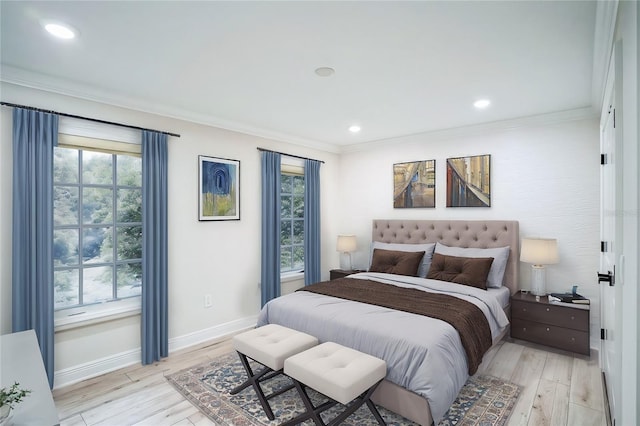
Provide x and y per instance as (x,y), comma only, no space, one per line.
(482,401)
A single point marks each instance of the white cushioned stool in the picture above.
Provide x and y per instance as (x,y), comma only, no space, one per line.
(340,373)
(268,345)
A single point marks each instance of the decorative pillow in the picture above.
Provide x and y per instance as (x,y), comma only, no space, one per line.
(426,247)
(472,271)
(500,256)
(396,262)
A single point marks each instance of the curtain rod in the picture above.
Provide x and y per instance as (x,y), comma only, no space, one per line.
(289,155)
(86,118)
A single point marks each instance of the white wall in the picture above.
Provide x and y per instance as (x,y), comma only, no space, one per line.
(218,258)
(546,176)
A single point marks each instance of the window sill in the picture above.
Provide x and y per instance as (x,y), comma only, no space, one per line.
(291,276)
(95,314)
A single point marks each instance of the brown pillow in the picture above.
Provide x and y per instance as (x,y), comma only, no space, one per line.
(396,262)
(471,271)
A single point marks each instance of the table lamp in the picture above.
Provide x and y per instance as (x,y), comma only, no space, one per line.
(539,252)
(346,244)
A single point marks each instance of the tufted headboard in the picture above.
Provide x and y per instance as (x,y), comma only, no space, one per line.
(456,233)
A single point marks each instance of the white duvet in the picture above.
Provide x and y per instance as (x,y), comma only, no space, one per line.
(423,354)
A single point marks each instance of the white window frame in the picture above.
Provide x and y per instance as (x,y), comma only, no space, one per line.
(85,134)
(291,165)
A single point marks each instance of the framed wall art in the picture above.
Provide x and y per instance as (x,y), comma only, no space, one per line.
(469,181)
(414,184)
(219,188)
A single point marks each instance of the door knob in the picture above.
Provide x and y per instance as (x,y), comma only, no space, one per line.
(609,277)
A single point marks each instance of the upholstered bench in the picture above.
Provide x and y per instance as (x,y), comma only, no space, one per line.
(268,345)
(340,373)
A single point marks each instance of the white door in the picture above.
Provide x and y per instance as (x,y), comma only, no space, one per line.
(610,354)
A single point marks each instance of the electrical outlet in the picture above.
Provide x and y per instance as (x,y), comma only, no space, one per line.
(208,301)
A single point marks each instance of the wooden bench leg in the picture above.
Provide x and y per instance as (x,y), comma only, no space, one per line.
(357,403)
(314,412)
(254,379)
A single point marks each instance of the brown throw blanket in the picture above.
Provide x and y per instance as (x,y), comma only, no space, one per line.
(464,316)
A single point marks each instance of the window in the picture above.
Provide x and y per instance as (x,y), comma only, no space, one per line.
(97,241)
(291,221)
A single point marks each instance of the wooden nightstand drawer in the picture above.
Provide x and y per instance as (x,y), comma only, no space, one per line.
(547,313)
(557,337)
(561,326)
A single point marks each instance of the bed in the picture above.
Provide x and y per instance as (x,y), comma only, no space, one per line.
(426,358)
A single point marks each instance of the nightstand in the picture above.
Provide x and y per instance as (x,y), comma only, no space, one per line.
(341,273)
(550,324)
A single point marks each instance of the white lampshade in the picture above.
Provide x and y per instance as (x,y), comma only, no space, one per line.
(346,243)
(539,251)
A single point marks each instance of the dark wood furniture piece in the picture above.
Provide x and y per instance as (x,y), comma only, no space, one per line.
(341,273)
(550,324)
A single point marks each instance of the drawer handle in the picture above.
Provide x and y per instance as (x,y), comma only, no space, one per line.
(573,339)
(547,309)
(524,328)
(572,317)
(524,309)
(547,328)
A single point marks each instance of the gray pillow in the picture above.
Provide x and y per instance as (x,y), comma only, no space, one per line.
(500,256)
(427,248)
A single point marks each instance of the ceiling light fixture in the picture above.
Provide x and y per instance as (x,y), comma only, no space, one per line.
(354,129)
(325,71)
(482,103)
(59,30)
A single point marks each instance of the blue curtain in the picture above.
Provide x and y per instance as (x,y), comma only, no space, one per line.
(311,221)
(155,335)
(34,136)
(270,242)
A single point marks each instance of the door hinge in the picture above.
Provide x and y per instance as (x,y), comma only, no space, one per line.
(603,159)
(603,334)
(603,246)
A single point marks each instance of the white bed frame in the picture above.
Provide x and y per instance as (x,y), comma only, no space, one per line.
(455,233)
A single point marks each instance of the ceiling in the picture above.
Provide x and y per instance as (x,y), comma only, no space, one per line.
(400,67)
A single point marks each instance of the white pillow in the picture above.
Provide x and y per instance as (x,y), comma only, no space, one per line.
(500,256)
(425,263)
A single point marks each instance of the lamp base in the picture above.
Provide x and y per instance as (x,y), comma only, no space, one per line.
(538,280)
(345,261)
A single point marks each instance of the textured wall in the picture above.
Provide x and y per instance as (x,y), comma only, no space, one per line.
(546,176)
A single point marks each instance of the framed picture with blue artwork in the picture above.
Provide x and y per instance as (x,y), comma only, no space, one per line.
(219,188)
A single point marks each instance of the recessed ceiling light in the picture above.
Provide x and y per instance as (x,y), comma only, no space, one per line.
(354,129)
(325,71)
(482,103)
(59,30)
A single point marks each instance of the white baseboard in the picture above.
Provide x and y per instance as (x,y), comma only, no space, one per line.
(78,373)
(211,333)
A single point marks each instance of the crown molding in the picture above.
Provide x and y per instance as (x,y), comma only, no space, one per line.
(476,129)
(605,27)
(50,84)
(33,80)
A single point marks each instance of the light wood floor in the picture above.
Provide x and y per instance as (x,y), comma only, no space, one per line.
(558,389)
